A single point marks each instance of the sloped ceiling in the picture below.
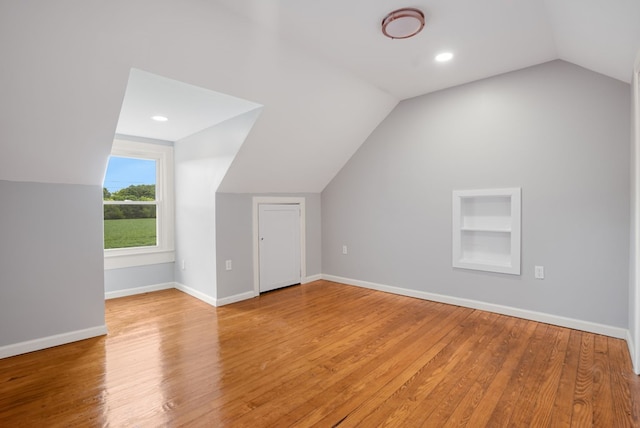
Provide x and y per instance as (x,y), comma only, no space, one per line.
(322,70)
(65,67)
(187,108)
(487,37)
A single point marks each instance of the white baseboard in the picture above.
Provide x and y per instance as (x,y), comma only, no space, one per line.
(50,341)
(188,290)
(631,346)
(215,302)
(312,278)
(195,293)
(61,339)
(235,298)
(138,290)
(617,332)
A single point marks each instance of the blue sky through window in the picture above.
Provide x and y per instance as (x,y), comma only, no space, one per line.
(123,172)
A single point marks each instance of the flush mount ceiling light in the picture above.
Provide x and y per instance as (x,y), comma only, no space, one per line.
(403,23)
(160,118)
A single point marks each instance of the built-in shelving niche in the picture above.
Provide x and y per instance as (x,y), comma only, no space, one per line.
(486,230)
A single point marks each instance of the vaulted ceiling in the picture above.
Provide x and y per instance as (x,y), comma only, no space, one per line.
(323,71)
(487,37)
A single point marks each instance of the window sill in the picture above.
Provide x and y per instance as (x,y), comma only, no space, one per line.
(130,258)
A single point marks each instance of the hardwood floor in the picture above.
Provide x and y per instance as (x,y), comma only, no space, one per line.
(321,354)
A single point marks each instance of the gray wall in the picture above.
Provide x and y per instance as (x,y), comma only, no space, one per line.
(51,269)
(234,225)
(558,131)
(138,276)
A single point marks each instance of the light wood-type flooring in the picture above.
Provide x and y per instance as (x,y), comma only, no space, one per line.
(321,354)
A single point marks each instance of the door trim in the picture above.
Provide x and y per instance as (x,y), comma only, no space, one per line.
(257,200)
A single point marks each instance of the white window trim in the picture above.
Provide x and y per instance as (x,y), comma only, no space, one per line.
(164,251)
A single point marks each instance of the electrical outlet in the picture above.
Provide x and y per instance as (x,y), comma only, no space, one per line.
(344,249)
(539,272)
(228,265)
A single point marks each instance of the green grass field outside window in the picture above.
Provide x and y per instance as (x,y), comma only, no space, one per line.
(127,233)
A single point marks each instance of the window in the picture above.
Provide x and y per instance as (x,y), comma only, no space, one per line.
(138,205)
(130,212)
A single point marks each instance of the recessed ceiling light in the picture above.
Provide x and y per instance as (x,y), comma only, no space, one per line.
(160,118)
(403,23)
(444,57)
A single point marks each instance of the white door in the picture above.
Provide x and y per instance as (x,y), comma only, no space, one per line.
(279,245)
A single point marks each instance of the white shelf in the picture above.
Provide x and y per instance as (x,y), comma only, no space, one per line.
(486,230)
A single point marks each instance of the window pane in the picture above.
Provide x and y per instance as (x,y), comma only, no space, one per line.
(130,179)
(129,226)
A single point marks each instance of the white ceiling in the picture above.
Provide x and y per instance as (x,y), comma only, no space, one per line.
(323,71)
(488,37)
(190,109)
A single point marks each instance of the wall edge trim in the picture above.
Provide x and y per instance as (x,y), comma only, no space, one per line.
(138,290)
(235,298)
(195,293)
(51,341)
(312,278)
(187,290)
(588,326)
(631,346)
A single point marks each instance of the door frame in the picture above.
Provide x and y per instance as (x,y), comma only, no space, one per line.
(258,200)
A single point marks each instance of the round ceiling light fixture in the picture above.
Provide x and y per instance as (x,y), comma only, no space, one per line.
(159,118)
(403,23)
